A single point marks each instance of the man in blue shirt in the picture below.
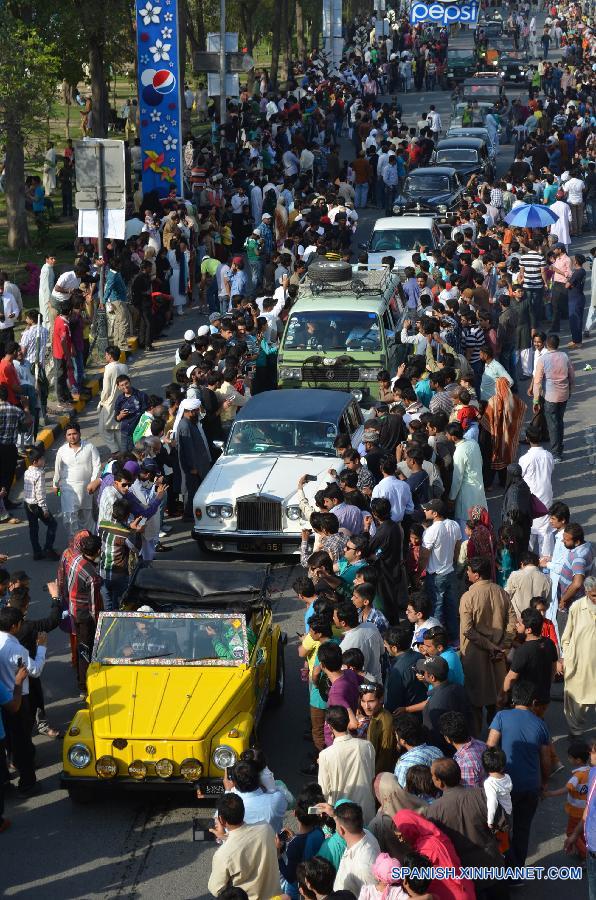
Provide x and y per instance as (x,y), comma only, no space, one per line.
(525,740)
(259,805)
(238,279)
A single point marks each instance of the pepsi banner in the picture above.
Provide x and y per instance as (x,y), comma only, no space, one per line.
(445,12)
(160,95)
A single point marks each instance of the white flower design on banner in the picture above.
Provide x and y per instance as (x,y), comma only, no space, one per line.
(166,33)
(150,14)
(163,129)
(170,143)
(155,115)
(153,136)
(145,59)
(168,17)
(160,50)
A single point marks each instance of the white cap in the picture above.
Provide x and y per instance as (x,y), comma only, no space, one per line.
(145,609)
(189,335)
(190,370)
(203,330)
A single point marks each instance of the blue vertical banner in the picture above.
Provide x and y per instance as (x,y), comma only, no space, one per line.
(160,95)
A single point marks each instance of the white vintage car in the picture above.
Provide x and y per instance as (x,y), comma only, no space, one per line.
(248,501)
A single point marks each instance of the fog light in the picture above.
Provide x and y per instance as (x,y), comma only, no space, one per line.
(137,769)
(191,769)
(164,768)
(215,545)
(106,767)
(74,731)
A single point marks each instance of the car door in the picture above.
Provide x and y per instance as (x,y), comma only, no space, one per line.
(261,660)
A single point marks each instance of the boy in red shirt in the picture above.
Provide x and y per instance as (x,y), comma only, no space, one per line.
(62,352)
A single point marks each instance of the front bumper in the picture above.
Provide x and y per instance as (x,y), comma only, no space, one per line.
(209,787)
(239,542)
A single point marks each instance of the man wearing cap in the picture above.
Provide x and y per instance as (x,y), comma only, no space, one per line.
(253,245)
(266,234)
(445,696)
(215,322)
(193,451)
(440,547)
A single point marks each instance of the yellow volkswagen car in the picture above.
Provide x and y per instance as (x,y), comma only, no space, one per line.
(178,681)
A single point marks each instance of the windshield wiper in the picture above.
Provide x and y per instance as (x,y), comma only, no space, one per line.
(151,656)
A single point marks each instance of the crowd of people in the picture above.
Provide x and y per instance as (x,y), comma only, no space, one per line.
(433,631)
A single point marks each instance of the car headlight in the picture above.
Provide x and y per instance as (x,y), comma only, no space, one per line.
(357,395)
(367,375)
(290,372)
(220,511)
(106,767)
(191,769)
(442,208)
(224,756)
(79,756)
(137,769)
(164,768)
(293,513)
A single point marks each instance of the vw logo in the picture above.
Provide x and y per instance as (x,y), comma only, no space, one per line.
(329,375)
(150,749)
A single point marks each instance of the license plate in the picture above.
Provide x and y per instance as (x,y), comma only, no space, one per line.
(213,788)
(259,546)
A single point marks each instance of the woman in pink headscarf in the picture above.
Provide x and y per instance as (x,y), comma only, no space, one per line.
(425,838)
(386,886)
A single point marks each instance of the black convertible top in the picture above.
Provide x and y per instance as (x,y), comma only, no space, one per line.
(204,585)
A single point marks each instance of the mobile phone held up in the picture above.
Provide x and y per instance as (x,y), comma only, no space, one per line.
(200,830)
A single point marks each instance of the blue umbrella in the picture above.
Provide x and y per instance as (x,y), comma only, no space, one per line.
(531,215)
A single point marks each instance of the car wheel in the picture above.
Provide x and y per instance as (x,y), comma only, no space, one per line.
(277,695)
(80,794)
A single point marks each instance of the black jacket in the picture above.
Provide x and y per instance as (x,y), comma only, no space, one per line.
(30,628)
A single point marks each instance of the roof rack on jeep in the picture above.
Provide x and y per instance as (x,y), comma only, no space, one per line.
(322,277)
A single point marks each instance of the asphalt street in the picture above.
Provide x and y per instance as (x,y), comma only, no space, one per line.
(129,845)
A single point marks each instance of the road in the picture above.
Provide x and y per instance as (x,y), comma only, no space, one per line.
(130,846)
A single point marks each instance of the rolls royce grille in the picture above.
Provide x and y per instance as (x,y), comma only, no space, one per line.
(258,515)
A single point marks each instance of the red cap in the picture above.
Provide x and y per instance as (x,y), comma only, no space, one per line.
(236,260)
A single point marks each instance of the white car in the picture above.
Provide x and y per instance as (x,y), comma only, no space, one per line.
(248,502)
(397,236)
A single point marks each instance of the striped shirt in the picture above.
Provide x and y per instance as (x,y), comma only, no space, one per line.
(558,373)
(577,792)
(474,340)
(34,487)
(117,543)
(532,264)
(29,339)
(422,755)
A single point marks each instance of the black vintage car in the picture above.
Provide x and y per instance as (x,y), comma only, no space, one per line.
(435,189)
(514,66)
(467,155)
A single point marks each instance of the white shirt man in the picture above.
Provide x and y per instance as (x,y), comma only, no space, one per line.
(67,282)
(307,159)
(47,279)
(355,867)
(366,637)
(399,495)
(441,539)
(574,188)
(77,464)
(11,650)
(10,308)
(434,121)
(537,471)
(290,163)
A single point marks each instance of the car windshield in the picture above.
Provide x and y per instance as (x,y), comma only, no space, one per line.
(457,156)
(399,239)
(165,639)
(482,90)
(333,330)
(460,54)
(304,438)
(515,56)
(426,184)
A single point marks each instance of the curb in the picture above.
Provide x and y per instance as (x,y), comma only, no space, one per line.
(50,433)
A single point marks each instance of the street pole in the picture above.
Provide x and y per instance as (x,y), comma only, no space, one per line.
(222,66)
(101,336)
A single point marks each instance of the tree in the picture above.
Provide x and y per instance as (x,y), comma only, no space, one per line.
(29,69)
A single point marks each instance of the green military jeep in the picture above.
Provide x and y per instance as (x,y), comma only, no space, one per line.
(342,329)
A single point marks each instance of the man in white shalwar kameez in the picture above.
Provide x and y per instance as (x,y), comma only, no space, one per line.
(553,563)
(537,470)
(77,466)
(47,280)
(561,227)
(109,428)
(591,318)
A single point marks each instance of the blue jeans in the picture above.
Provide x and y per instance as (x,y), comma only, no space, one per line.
(536,297)
(576,316)
(212,298)
(390,190)
(591,213)
(115,589)
(256,273)
(478,369)
(441,590)
(361,192)
(507,360)
(554,413)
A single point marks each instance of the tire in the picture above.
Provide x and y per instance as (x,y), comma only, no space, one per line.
(330,270)
(276,696)
(80,794)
